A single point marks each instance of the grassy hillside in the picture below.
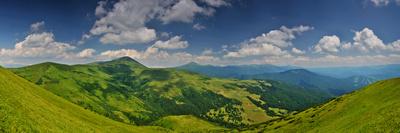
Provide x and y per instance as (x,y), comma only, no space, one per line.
(375,108)
(26,107)
(126,91)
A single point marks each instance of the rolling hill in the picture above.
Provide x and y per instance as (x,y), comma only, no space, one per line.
(126,91)
(233,71)
(26,107)
(375,108)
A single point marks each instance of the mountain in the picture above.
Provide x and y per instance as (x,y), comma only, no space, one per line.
(308,79)
(375,108)
(361,81)
(380,72)
(129,92)
(233,71)
(26,107)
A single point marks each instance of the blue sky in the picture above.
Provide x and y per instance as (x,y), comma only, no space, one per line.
(309,33)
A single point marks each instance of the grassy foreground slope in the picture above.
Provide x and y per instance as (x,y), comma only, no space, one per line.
(127,91)
(375,108)
(25,107)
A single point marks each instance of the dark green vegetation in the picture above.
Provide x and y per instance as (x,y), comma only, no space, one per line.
(375,108)
(126,91)
(26,107)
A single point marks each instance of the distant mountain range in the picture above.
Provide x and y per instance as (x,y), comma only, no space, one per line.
(379,72)
(336,80)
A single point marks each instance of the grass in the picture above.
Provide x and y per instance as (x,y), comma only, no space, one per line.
(188,123)
(375,108)
(26,107)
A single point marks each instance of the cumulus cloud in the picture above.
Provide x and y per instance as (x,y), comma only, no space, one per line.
(328,44)
(100,9)
(151,56)
(271,43)
(38,45)
(42,46)
(175,42)
(380,2)
(141,35)
(184,11)
(86,53)
(216,3)
(35,27)
(298,51)
(367,42)
(280,38)
(126,22)
(198,26)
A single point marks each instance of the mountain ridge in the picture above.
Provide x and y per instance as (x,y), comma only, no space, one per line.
(131,93)
(374,108)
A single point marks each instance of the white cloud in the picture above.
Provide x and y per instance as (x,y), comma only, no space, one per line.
(141,35)
(216,3)
(184,11)
(86,53)
(280,38)
(126,22)
(256,49)
(100,9)
(120,53)
(207,52)
(366,41)
(35,27)
(380,2)
(38,45)
(271,43)
(328,44)
(298,51)
(151,56)
(198,26)
(394,46)
(175,42)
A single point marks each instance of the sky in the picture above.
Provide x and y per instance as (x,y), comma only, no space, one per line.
(167,33)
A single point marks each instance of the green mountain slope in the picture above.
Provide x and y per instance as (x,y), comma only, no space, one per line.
(126,91)
(26,107)
(375,108)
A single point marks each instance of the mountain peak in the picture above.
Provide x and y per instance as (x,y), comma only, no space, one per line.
(193,63)
(124,60)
